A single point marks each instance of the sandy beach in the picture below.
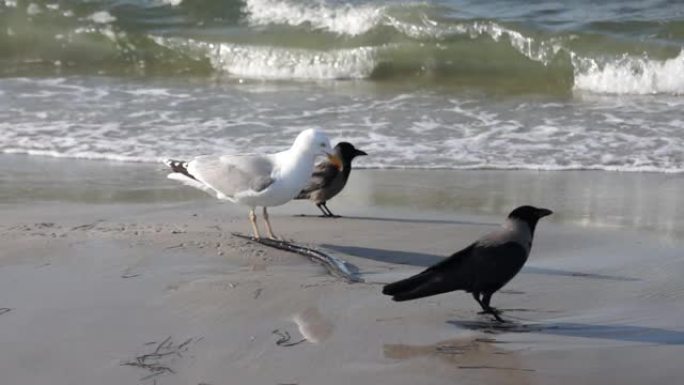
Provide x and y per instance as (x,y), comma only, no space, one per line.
(111,274)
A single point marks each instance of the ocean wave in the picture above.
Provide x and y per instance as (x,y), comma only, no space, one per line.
(345,19)
(404,42)
(265,62)
(630,75)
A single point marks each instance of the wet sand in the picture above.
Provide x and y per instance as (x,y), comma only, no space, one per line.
(102,262)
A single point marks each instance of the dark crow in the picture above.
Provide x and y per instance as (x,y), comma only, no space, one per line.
(329,178)
(482,268)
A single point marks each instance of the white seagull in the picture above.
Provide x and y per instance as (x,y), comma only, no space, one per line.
(256,179)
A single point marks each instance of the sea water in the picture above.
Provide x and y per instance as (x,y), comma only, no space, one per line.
(416,84)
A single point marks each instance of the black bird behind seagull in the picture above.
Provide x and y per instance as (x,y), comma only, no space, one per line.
(482,268)
(329,179)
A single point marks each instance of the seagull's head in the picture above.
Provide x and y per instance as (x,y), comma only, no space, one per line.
(316,142)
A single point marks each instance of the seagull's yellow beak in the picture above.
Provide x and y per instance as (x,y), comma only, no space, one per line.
(335,160)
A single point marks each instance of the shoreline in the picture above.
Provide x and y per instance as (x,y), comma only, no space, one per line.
(629,201)
(102,263)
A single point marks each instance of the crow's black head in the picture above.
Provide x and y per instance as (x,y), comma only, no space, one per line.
(529,214)
(347,151)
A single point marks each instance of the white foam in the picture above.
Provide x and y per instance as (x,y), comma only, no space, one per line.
(630,75)
(344,19)
(96,118)
(173,3)
(33,9)
(101,17)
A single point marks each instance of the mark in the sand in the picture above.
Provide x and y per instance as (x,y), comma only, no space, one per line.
(335,266)
(257,292)
(87,226)
(127,275)
(175,246)
(284,339)
(160,360)
(495,367)
(511,292)
(4,310)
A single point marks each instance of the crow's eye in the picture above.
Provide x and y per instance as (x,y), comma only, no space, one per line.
(322,144)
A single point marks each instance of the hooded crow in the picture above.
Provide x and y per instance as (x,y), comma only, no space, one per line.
(329,178)
(482,268)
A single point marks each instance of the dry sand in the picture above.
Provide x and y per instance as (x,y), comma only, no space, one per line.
(109,274)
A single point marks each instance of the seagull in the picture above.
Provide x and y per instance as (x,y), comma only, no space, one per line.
(330,178)
(482,268)
(256,179)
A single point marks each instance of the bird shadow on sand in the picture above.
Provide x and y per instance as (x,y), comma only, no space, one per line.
(406,220)
(388,256)
(424,260)
(627,333)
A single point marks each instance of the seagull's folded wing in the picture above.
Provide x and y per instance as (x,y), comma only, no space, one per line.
(231,175)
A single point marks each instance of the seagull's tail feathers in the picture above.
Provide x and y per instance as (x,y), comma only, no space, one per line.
(179,167)
(192,182)
(180,173)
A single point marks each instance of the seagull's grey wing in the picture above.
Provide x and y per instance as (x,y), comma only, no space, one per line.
(324,173)
(233,174)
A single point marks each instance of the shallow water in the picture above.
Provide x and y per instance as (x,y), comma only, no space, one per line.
(440,84)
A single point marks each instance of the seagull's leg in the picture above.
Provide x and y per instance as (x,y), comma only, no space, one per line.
(320,207)
(252,220)
(268,225)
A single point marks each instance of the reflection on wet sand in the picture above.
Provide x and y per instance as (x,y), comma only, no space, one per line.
(616,332)
(587,198)
(476,360)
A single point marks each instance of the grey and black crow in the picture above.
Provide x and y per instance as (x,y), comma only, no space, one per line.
(329,178)
(482,268)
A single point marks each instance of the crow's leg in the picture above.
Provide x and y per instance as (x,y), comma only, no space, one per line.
(320,207)
(325,205)
(476,296)
(486,298)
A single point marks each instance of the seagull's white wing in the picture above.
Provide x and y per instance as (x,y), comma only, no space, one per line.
(231,175)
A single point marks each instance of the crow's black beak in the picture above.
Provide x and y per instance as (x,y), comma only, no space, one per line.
(359,152)
(544,212)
